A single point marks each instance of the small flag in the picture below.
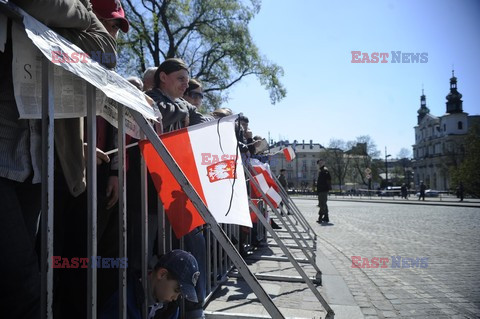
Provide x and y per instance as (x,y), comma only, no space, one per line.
(289,153)
(267,184)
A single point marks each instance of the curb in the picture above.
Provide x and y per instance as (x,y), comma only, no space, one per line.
(413,202)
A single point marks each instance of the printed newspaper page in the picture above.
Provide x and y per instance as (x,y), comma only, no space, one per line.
(69,78)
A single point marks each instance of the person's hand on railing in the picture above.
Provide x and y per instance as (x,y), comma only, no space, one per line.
(101,156)
(248,133)
(112,191)
(149,100)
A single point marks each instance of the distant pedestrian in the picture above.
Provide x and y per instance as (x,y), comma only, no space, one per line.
(283,181)
(282,178)
(404,191)
(460,191)
(324,184)
(423,188)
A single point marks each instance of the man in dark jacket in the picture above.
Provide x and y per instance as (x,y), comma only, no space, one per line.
(324,184)
(282,179)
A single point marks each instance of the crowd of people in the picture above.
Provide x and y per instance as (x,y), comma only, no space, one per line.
(94,26)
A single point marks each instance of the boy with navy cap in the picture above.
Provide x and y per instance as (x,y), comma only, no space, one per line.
(175,273)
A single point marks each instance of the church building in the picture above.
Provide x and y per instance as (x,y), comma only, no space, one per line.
(440,141)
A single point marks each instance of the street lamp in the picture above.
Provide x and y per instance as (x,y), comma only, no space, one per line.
(386,168)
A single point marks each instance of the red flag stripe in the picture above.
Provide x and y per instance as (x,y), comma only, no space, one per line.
(181,213)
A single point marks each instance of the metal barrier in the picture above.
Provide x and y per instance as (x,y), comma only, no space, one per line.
(289,225)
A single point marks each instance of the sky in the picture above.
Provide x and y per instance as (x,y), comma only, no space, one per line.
(329,97)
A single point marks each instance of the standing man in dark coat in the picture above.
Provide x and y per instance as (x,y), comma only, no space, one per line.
(423,188)
(324,184)
(283,179)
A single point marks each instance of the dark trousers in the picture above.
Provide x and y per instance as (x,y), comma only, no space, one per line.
(19,211)
(70,240)
(322,202)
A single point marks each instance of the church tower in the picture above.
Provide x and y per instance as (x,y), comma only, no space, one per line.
(454,98)
(423,110)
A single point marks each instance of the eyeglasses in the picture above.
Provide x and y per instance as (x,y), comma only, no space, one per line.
(195,95)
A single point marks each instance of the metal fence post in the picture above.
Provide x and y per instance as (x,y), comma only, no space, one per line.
(122,214)
(47,216)
(92,202)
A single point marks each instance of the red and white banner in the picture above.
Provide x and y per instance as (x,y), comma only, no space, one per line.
(289,153)
(263,176)
(207,155)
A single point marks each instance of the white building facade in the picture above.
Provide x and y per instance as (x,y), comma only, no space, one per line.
(302,171)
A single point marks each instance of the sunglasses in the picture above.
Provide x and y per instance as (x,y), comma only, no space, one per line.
(195,95)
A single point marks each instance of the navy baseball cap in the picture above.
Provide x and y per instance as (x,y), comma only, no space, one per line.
(185,268)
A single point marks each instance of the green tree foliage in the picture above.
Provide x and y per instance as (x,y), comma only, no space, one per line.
(211,36)
(468,172)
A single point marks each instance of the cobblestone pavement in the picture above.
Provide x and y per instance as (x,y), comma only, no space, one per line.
(449,285)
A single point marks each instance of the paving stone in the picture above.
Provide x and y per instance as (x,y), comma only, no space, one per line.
(368,311)
(389,314)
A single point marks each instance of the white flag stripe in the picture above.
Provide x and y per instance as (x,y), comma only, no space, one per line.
(205,143)
(289,153)
(272,193)
(262,182)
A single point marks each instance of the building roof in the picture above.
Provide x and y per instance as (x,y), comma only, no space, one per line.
(300,148)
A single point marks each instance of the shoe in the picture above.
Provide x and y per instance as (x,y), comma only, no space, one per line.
(319,221)
(275,225)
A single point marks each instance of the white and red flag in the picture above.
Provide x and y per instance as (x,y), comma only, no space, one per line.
(207,155)
(263,177)
(289,153)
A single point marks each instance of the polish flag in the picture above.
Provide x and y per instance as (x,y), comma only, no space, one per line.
(207,154)
(289,153)
(263,177)
(264,169)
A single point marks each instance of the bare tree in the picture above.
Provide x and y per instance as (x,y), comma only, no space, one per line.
(338,161)
(362,154)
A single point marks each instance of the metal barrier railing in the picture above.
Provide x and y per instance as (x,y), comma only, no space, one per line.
(300,241)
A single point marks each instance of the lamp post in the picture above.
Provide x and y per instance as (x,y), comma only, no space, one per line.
(386,168)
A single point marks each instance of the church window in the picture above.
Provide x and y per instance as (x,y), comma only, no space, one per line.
(460,125)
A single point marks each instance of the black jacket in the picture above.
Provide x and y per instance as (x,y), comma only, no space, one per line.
(324,180)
